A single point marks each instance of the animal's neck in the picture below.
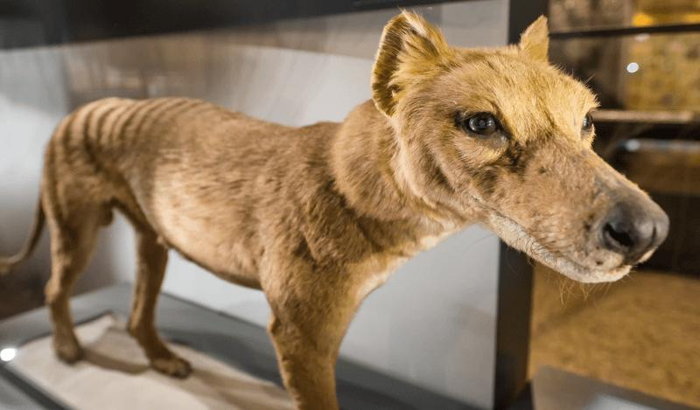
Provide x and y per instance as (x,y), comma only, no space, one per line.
(366,163)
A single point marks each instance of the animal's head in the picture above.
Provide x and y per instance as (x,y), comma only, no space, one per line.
(503,132)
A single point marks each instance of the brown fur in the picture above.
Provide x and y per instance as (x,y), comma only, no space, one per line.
(319,216)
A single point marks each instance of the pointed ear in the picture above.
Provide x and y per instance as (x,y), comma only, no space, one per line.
(534,42)
(410,49)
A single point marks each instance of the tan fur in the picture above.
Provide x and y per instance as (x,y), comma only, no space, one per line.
(319,216)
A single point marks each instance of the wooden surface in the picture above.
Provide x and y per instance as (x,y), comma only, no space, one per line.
(641,333)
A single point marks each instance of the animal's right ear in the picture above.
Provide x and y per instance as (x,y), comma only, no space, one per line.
(534,41)
(410,49)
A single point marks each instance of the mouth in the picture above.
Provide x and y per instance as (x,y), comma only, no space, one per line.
(516,236)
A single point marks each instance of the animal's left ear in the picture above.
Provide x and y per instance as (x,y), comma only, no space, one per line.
(534,42)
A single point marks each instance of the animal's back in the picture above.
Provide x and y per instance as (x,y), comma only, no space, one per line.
(187,168)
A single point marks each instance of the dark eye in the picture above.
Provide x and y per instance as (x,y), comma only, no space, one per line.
(483,124)
(587,123)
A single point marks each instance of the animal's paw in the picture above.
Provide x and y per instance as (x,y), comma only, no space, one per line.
(172,366)
(68,350)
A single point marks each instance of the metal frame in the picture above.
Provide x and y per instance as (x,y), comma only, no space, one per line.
(515,276)
(85,20)
(625,31)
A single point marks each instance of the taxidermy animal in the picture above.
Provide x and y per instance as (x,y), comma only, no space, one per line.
(319,216)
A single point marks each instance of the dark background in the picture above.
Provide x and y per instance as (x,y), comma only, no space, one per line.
(25,23)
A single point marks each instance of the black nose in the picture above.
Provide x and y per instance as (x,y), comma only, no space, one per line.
(632,230)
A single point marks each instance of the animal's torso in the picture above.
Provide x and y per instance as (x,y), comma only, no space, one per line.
(232,193)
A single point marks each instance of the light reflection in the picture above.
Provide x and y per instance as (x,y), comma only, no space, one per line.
(8,354)
(632,67)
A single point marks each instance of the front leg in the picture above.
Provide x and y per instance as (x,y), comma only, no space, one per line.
(307,366)
(307,328)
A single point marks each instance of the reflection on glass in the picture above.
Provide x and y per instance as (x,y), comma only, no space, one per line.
(590,14)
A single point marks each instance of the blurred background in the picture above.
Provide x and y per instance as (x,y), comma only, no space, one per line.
(642,58)
(298,62)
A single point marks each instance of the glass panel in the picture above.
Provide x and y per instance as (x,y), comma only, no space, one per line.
(589,14)
(639,332)
(642,72)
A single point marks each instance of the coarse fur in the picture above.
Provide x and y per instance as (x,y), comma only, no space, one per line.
(319,216)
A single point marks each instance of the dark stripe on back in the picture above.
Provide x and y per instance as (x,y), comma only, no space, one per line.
(149,110)
(101,134)
(127,119)
(64,134)
(94,139)
(85,136)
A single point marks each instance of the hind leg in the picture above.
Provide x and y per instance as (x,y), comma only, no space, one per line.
(151,259)
(72,242)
